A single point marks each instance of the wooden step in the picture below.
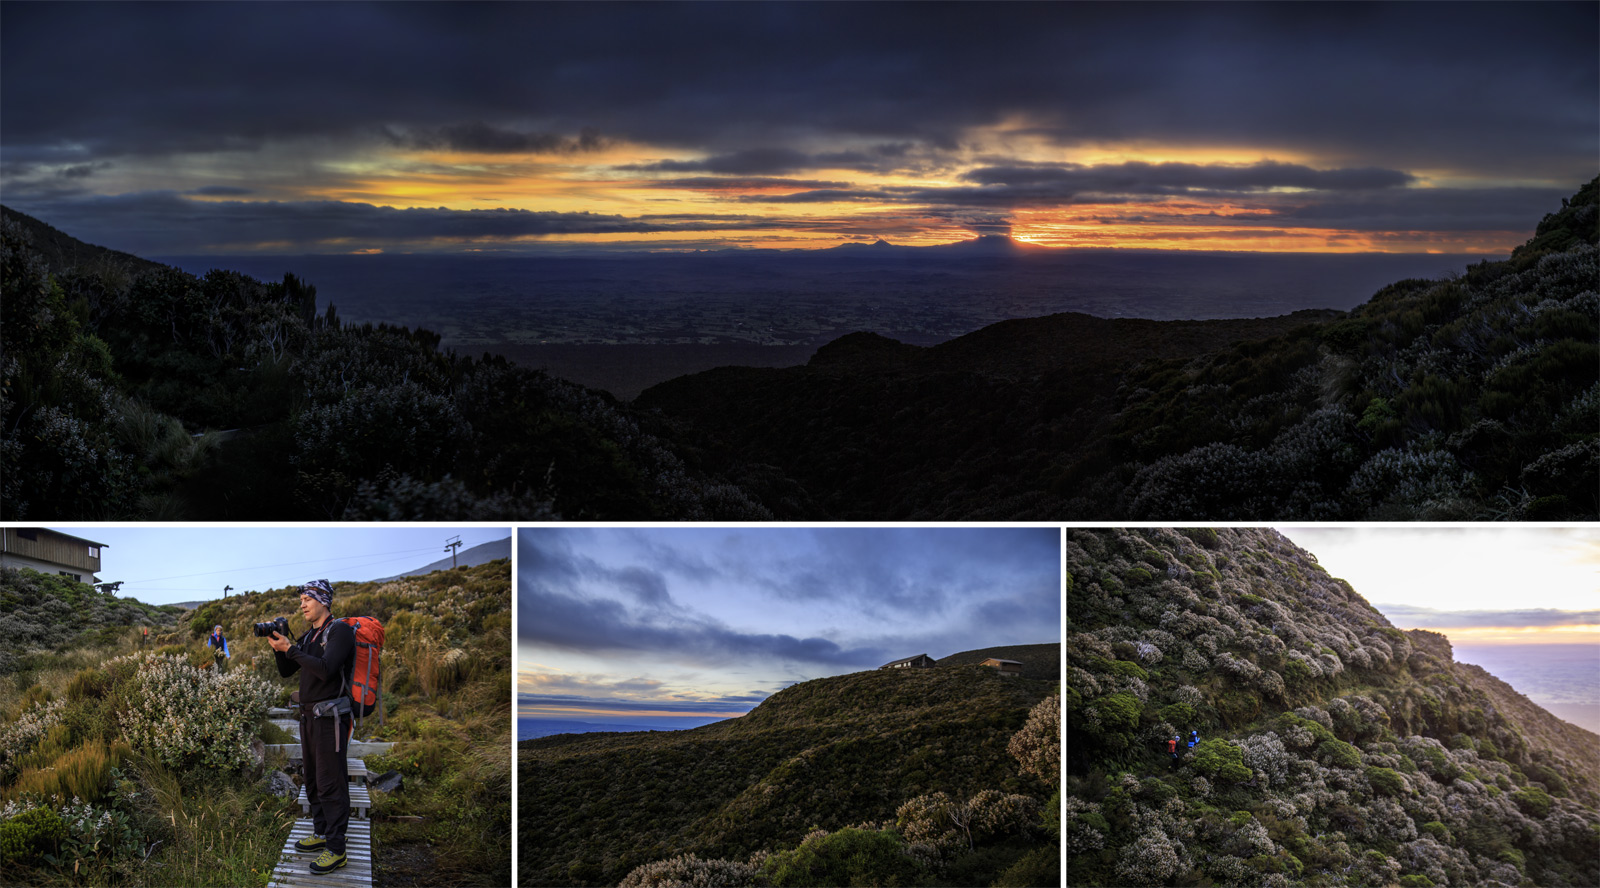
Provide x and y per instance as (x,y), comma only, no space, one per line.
(294,867)
(278,712)
(288,724)
(360,801)
(358,748)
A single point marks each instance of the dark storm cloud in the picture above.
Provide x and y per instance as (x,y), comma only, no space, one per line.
(221,191)
(777,161)
(935,588)
(166,223)
(1412,615)
(1410,209)
(1493,87)
(739,183)
(480,137)
(1170,178)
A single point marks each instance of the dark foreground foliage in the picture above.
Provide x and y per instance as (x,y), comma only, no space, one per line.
(1336,749)
(850,780)
(131,390)
(1473,397)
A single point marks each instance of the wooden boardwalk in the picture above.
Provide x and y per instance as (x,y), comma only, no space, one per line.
(294,868)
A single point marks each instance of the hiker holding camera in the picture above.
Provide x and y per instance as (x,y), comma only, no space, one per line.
(323,656)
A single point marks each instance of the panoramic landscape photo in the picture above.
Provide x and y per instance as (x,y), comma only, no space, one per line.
(1249,706)
(151,735)
(790,261)
(789,706)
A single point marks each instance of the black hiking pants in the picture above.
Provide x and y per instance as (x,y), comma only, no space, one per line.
(327,778)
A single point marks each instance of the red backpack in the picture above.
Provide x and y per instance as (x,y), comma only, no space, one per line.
(364,675)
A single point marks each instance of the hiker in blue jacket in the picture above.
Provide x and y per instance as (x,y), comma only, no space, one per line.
(324,656)
(220,645)
(1194,737)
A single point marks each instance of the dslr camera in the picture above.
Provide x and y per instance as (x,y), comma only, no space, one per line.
(280,626)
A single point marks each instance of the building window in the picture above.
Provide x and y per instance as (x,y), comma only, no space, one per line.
(71,576)
(94,551)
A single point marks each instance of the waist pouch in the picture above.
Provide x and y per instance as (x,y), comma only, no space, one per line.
(337,709)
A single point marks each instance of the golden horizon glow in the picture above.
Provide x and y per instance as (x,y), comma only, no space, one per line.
(1490,635)
(523,712)
(878,203)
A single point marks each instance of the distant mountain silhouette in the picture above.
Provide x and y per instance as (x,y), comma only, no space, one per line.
(479,554)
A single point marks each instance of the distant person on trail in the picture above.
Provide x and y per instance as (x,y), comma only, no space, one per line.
(1194,737)
(324,656)
(1172,750)
(219,643)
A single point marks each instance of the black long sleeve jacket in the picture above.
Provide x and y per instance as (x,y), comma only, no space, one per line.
(323,658)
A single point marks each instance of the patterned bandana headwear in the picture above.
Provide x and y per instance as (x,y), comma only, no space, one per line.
(321,590)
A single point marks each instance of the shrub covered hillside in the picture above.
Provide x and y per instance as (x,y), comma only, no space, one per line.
(1334,749)
(123,765)
(131,390)
(43,616)
(914,777)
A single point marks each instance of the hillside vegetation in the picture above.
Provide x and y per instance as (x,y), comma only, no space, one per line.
(1472,397)
(849,780)
(132,390)
(122,765)
(1335,749)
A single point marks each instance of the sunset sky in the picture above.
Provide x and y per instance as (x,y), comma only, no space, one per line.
(1490,585)
(637,625)
(289,128)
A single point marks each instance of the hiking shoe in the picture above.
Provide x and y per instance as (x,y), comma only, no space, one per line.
(327,863)
(312,844)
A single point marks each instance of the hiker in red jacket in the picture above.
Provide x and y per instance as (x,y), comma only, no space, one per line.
(323,656)
(1172,750)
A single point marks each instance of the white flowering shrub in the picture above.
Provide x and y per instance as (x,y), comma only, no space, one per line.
(1037,746)
(1152,859)
(996,814)
(18,737)
(189,717)
(1264,754)
(689,871)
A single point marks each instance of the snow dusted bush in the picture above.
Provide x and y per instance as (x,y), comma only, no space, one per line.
(1190,695)
(1152,859)
(1195,661)
(1037,746)
(189,716)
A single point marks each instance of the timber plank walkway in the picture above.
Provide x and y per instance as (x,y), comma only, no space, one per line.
(294,868)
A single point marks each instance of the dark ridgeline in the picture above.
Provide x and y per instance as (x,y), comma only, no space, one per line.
(864,757)
(1334,748)
(1471,397)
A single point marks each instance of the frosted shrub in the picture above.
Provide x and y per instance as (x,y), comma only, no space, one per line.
(1195,661)
(1202,786)
(1151,859)
(1147,652)
(189,717)
(17,738)
(689,871)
